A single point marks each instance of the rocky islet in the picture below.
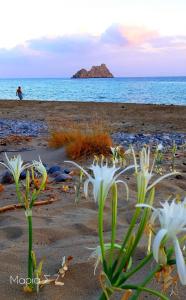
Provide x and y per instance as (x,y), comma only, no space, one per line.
(95,72)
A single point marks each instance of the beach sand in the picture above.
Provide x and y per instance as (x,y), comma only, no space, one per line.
(125,117)
(65,228)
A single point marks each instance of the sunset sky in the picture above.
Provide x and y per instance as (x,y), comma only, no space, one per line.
(55,38)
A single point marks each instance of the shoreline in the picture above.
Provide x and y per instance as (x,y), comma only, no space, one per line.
(91,102)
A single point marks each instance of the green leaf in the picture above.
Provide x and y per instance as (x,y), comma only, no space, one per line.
(39,268)
(150,291)
(34,261)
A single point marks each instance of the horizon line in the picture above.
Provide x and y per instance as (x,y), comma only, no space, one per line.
(115,77)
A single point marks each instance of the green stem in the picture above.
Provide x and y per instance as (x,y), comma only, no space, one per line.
(30,264)
(104,297)
(126,276)
(144,289)
(100,226)
(114,221)
(130,229)
(130,251)
(140,199)
(137,239)
(37,192)
(18,192)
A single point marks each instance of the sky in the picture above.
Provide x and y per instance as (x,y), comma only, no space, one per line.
(55,38)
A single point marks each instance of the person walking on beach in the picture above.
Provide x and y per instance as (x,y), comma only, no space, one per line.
(19,93)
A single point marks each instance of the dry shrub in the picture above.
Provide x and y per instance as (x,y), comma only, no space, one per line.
(79,144)
(89,144)
(61,138)
(82,138)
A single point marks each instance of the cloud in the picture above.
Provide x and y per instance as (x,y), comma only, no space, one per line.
(128,51)
(128,35)
(177,42)
(64,44)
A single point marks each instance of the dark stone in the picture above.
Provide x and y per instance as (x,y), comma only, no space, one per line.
(66,171)
(62,177)
(54,169)
(179,176)
(7,178)
(23,175)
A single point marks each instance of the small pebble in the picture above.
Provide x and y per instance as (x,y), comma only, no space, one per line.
(54,169)
(6,178)
(23,175)
(66,171)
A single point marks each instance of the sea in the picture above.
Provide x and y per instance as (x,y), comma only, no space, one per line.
(156,90)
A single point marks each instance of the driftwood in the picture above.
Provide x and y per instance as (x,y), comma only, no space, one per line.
(18,206)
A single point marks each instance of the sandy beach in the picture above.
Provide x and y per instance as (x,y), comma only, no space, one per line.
(127,117)
(64,228)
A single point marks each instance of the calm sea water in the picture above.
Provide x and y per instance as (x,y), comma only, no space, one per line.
(158,90)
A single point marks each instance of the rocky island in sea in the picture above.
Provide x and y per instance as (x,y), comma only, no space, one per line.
(95,72)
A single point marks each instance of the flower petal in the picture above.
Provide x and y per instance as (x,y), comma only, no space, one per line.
(126,186)
(86,183)
(157,242)
(160,179)
(180,262)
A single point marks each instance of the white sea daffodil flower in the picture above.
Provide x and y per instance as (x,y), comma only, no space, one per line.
(145,171)
(15,166)
(172,218)
(38,165)
(102,175)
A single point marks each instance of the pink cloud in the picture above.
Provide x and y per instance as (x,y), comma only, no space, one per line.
(138,35)
(128,35)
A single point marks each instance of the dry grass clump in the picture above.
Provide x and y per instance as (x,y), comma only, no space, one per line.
(79,144)
(61,138)
(86,145)
(82,140)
